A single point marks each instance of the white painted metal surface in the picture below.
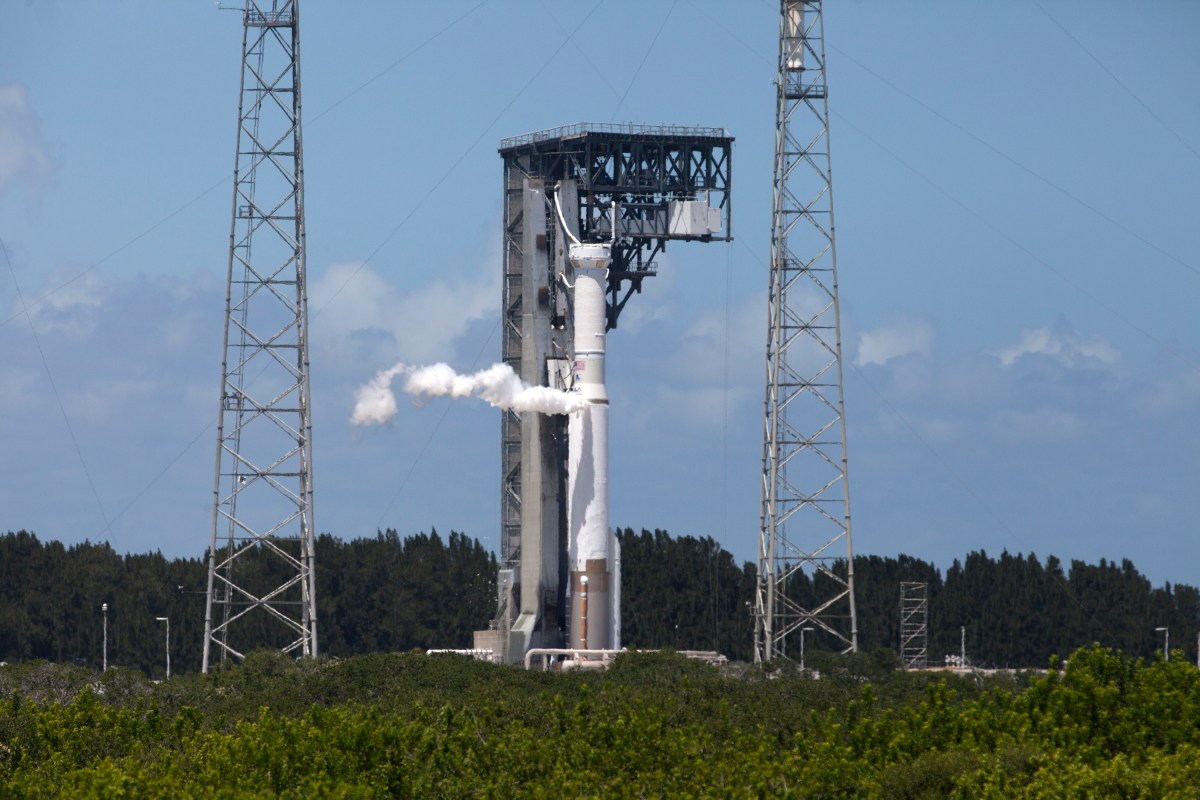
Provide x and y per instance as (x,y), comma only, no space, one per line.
(588,547)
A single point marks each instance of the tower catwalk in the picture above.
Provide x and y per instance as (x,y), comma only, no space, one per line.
(805,556)
(260,561)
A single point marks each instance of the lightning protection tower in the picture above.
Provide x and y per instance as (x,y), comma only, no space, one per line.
(805,557)
(260,560)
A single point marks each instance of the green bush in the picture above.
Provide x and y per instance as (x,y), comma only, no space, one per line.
(654,725)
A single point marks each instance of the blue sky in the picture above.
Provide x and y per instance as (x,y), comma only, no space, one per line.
(1016,194)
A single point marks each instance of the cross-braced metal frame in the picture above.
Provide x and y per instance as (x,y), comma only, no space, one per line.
(914,624)
(805,556)
(260,562)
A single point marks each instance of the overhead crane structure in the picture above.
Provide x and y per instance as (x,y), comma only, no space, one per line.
(655,184)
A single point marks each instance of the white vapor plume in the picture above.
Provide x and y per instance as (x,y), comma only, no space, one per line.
(375,403)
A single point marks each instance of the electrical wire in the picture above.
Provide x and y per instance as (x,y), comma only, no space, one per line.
(374,252)
(583,52)
(224,180)
(428,41)
(38,302)
(982,218)
(25,309)
(437,425)
(461,158)
(434,431)
(1011,160)
(986,222)
(642,63)
(1116,80)
(979,139)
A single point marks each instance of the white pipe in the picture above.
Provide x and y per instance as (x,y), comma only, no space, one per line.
(577,654)
(583,598)
(561,219)
(614,569)
(602,657)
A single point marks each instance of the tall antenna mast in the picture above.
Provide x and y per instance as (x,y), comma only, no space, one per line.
(805,556)
(260,562)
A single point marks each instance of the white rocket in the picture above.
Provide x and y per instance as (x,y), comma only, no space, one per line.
(594,589)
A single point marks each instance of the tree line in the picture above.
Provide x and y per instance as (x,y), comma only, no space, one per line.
(390,593)
(378,594)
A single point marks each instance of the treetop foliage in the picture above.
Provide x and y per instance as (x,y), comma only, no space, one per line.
(654,725)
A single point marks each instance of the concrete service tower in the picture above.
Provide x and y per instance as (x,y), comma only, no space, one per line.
(587,209)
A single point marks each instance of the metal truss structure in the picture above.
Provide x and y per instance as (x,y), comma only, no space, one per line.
(805,556)
(644,169)
(914,624)
(654,174)
(260,561)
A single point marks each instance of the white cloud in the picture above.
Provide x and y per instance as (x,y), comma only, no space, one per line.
(705,408)
(658,302)
(360,308)
(1174,392)
(1067,347)
(23,156)
(881,345)
(65,305)
(1042,425)
(700,349)
(101,398)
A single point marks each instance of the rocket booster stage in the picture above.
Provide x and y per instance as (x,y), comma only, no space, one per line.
(595,594)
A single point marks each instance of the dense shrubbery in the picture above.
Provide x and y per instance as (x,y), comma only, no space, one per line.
(654,725)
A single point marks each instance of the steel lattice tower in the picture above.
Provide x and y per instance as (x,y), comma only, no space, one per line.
(805,556)
(260,562)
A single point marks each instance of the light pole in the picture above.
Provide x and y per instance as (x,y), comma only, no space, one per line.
(168,621)
(1166,632)
(104,666)
(802,630)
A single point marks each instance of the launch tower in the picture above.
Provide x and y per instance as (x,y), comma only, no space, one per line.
(668,183)
(805,556)
(260,560)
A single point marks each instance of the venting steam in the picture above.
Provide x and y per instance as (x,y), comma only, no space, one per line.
(375,403)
